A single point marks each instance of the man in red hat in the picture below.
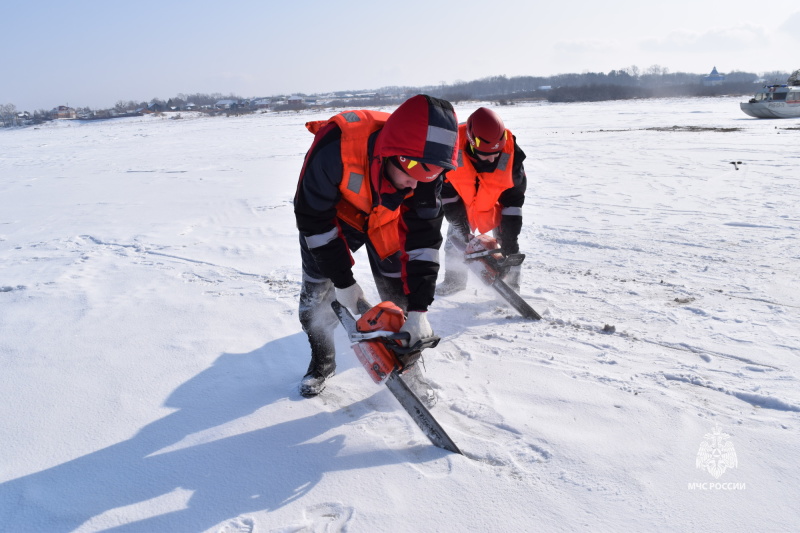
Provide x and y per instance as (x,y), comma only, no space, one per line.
(484,194)
(372,179)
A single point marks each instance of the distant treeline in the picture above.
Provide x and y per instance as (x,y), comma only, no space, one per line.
(608,91)
(199,99)
(627,83)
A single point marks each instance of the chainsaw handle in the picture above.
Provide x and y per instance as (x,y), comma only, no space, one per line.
(497,254)
(403,336)
(504,254)
(381,335)
(422,344)
(502,263)
(363,306)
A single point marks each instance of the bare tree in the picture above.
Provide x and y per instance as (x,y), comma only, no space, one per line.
(8,115)
(633,71)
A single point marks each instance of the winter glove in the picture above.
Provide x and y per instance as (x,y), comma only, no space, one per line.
(417,326)
(349,297)
(508,234)
(508,245)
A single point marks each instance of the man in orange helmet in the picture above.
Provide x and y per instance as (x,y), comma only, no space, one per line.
(373,179)
(484,194)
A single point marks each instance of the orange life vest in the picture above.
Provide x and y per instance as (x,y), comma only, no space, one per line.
(481,191)
(355,207)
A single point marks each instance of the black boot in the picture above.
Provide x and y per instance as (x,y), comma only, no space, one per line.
(322,367)
(318,321)
(315,379)
(454,281)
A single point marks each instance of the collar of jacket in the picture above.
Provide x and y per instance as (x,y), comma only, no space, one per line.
(480,165)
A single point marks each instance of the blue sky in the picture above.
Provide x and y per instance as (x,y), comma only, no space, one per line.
(94,53)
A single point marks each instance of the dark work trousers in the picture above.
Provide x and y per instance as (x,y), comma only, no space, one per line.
(455,269)
(317,293)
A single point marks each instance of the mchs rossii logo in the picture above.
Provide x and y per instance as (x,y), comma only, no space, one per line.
(716,456)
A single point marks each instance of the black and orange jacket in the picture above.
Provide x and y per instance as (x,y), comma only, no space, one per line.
(343,182)
(482,196)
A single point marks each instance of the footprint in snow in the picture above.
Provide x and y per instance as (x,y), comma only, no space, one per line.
(322,518)
(238,525)
(495,442)
(9,288)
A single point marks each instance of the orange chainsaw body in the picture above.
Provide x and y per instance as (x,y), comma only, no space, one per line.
(377,358)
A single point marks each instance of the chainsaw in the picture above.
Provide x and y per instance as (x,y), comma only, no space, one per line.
(384,353)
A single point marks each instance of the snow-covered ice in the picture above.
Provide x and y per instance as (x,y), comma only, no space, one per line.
(150,349)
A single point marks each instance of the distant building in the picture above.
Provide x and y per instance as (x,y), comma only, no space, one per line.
(715,78)
(65,112)
(226,104)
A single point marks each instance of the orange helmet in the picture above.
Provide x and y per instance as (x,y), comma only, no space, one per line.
(417,169)
(486,132)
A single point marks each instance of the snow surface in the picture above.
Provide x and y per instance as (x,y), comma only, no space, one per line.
(150,349)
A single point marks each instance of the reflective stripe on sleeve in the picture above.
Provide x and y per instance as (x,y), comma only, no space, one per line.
(315,241)
(513,211)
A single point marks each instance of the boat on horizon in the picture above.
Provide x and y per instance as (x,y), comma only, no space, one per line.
(776,101)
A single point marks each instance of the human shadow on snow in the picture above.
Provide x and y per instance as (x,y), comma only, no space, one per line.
(258,470)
